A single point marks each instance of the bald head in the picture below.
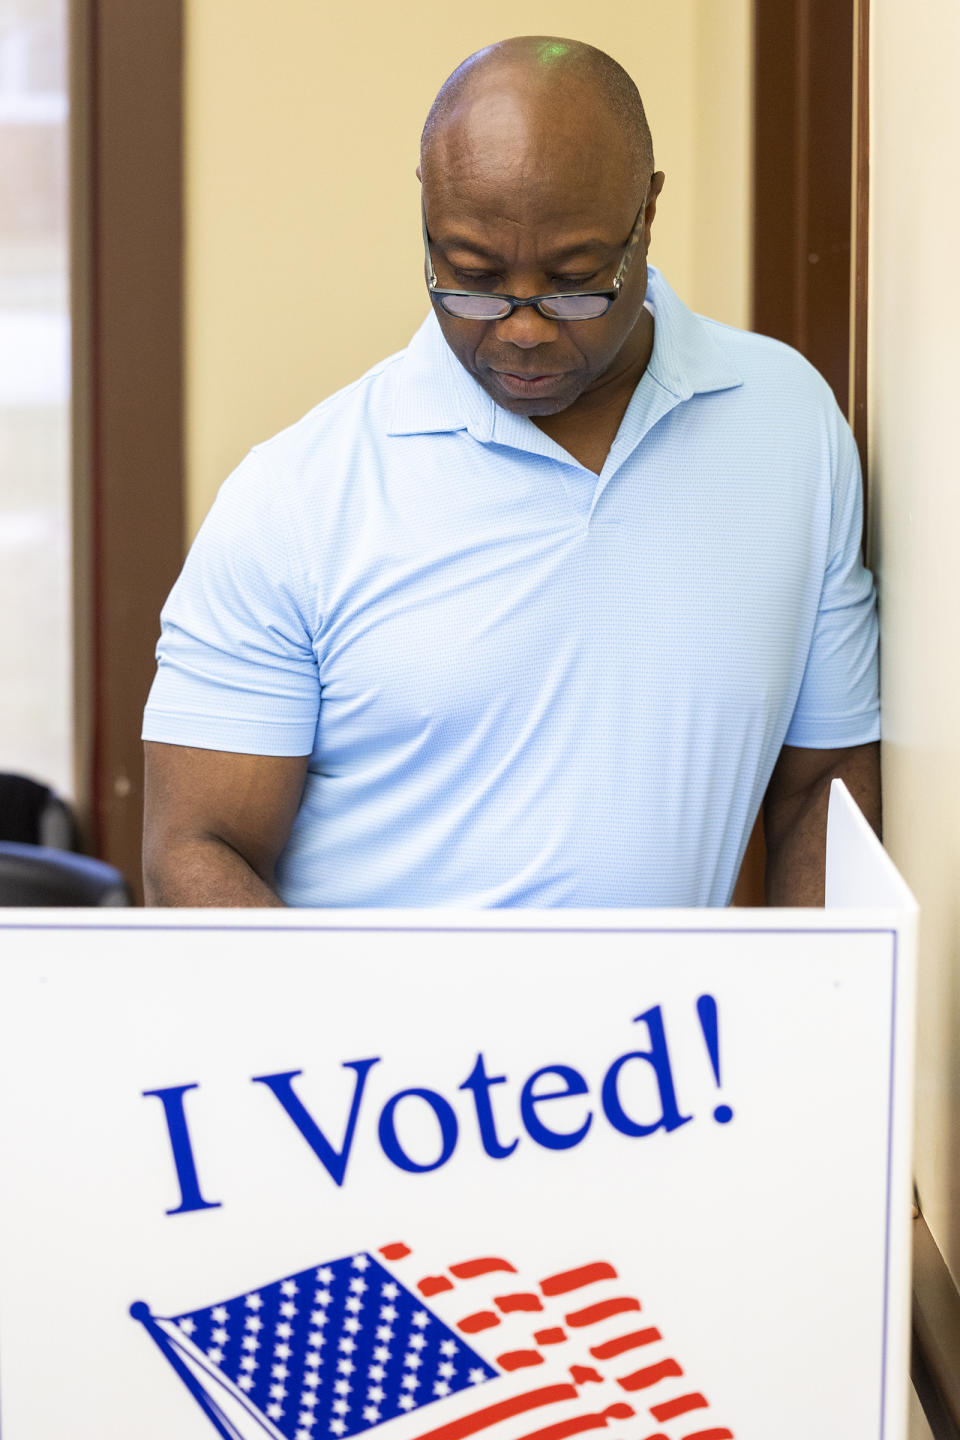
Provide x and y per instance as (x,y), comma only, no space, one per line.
(506,96)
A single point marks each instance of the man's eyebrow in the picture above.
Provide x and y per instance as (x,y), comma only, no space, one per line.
(581,247)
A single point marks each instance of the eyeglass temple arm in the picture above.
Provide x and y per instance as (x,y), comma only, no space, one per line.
(431,273)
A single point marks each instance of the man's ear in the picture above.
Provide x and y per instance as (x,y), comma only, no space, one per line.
(656,185)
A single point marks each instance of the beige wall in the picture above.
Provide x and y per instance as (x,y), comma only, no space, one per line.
(915,499)
(303,119)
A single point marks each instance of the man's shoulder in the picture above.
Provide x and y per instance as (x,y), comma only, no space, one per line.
(368,398)
(761,357)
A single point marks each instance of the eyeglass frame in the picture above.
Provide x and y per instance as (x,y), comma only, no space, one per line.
(516,303)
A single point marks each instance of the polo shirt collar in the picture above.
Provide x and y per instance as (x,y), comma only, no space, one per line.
(435,393)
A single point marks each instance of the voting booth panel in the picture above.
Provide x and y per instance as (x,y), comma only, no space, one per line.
(519,1175)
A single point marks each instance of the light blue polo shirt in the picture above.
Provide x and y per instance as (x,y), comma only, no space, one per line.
(520,683)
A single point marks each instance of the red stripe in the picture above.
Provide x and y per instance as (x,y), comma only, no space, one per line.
(518,1359)
(482,1320)
(434,1284)
(672,1408)
(583,1374)
(553,1336)
(578,1423)
(394,1252)
(518,1405)
(509,1303)
(710,1435)
(593,1313)
(609,1348)
(640,1379)
(574,1279)
(659,1436)
(470,1269)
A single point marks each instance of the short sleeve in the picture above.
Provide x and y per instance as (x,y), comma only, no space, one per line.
(838,704)
(236,664)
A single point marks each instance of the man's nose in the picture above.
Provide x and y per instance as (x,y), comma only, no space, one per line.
(527,328)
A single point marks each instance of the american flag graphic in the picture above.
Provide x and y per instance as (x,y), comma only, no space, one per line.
(382,1342)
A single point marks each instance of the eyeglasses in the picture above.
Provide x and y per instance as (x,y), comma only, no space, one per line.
(575,305)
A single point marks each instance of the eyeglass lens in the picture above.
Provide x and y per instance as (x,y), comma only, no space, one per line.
(560,307)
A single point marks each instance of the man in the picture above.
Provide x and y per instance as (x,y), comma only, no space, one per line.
(540,610)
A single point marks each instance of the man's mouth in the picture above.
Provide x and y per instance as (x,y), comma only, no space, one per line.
(520,385)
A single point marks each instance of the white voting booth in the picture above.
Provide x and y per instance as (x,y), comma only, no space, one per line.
(431,1175)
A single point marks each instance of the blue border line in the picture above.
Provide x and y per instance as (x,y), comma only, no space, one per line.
(589,930)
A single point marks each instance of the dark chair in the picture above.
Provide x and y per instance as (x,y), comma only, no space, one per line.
(33,814)
(37,875)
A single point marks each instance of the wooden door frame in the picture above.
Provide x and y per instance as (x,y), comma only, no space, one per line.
(810,215)
(128,447)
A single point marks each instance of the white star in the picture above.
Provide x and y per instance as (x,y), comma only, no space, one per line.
(353,1303)
(337,1426)
(187,1325)
(371,1413)
(312,1379)
(420,1317)
(220,1313)
(384,1332)
(390,1291)
(253,1322)
(278,1391)
(347,1345)
(324,1275)
(381,1352)
(288,1309)
(352,1325)
(413,1360)
(316,1339)
(290,1287)
(376,1393)
(441,1388)
(306,1420)
(342,1387)
(252,1302)
(275,1411)
(322,1297)
(280,1372)
(340,1407)
(448,1347)
(377,1372)
(308,1399)
(357,1285)
(219,1336)
(476,1376)
(406,1402)
(409,1382)
(245,1382)
(250,1342)
(282,1351)
(446,1370)
(319,1317)
(345,1367)
(360,1262)
(215,1355)
(388,1312)
(284,1330)
(418,1341)
(301,1434)
(248,1363)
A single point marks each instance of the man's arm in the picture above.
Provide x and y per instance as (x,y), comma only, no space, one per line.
(215,823)
(795,815)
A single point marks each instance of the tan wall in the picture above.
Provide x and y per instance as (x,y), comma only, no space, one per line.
(915,498)
(303,119)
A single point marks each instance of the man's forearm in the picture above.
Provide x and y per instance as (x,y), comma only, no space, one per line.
(203,872)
